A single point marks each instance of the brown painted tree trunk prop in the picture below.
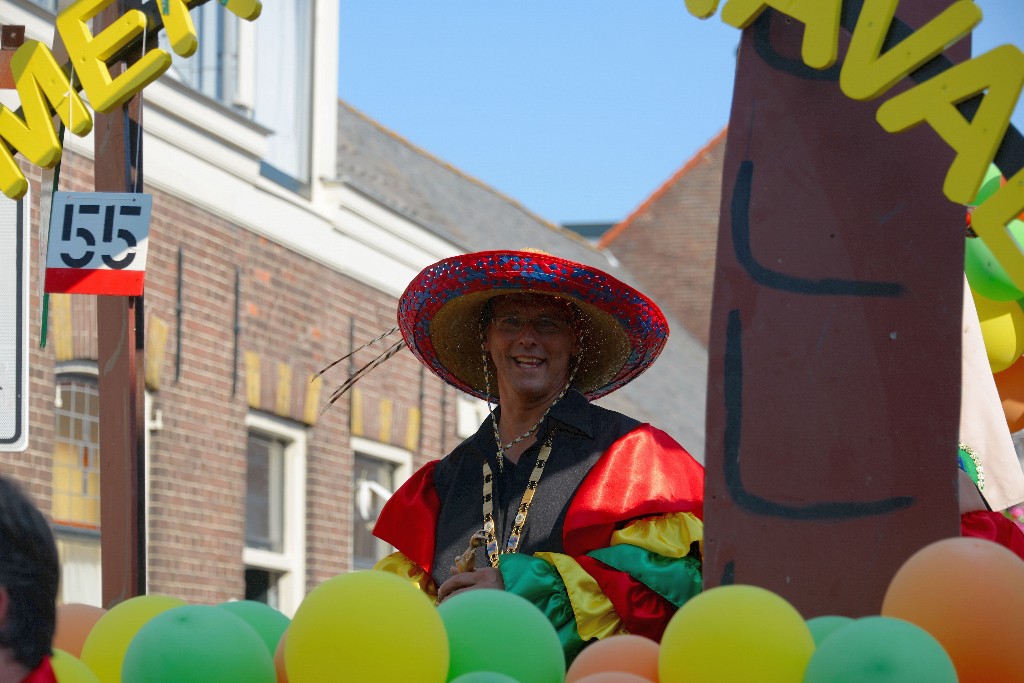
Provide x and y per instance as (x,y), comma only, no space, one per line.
(834,362)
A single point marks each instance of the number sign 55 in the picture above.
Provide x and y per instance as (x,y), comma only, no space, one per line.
(98,243)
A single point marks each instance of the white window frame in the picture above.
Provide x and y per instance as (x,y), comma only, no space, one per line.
(401,458)
(64,371)
(291,562)
(469,415)
(154,421)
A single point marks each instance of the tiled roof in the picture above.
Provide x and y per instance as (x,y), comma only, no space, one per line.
(474,216)
(669,241)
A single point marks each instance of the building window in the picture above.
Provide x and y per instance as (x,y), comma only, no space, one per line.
(262,70)
(214,68)
(264,493)
(275,513)
(283,91)
(50,5)
(470,414)
(378,470)
(76,489)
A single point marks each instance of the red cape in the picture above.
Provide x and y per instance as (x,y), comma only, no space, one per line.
(409,518)
(42,673)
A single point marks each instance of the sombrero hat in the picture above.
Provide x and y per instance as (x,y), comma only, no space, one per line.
(439,316)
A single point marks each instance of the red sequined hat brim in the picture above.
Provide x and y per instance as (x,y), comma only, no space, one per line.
(439,316)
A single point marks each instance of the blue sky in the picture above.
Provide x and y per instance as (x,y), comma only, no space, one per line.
(578,109)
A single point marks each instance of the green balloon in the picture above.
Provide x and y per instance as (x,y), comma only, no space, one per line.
(484,677)
(880,650)
(989,185)
(268,623)
(197,644)
(984,274)
(821,627)
(104,648)
(500,632)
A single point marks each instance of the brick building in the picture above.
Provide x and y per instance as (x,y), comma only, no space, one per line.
(669,242)
(280,240)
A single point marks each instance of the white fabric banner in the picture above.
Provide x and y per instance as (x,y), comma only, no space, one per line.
(982,422)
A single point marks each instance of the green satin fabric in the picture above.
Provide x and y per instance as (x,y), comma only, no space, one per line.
(595,615)
(675,579)
(967,465)
(540,583)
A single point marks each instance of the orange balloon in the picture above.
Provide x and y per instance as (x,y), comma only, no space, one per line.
(613,677)
(624,653)
(282,675)
(1010,384)
(74,621)
(969,594)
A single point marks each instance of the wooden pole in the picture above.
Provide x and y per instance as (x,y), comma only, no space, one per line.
(118,168)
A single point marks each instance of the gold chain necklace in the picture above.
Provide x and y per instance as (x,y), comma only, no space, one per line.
(494,421)
(524,506)
(528,432)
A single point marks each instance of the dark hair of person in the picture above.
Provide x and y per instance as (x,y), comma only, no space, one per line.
(30,571)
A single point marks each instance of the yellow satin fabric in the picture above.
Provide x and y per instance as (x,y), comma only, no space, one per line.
(667,535)
(402,566)
(595,616)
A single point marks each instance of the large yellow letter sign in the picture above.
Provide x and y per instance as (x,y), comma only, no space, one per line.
(999,73)
(820,18)
(39,80)
(89,54)
(867,73)
(181,32)
(702,9)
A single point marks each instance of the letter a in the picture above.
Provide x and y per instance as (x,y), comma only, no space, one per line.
(866,75)
(820,18)
(999,73)
(702,9)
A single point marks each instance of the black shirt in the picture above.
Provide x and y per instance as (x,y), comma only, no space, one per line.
(582,433)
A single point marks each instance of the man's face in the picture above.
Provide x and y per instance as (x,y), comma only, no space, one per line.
(531,338)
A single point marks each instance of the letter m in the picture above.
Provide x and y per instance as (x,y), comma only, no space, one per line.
(43,89)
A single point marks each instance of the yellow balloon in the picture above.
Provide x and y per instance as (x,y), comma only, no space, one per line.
(69,669)
(103,651)
(366,626)
(735,633)
(1002,329)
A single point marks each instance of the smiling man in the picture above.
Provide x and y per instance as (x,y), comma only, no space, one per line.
(530,339)
(589,514)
